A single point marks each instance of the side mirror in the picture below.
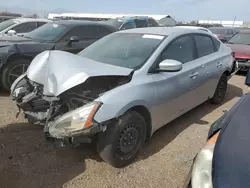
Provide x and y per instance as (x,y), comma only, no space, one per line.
(74,39)
(247,81)
(170,65)
(11,32)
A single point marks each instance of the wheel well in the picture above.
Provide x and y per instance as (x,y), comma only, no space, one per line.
(146,115)
(227,73)
(18,56)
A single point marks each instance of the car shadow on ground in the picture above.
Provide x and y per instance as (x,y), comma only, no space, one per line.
(28,160)
(169,132)
(4,93)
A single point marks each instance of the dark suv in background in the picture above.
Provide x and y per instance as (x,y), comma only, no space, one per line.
(17,52)
(123,23)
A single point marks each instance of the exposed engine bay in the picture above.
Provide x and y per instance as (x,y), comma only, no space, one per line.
(42,109)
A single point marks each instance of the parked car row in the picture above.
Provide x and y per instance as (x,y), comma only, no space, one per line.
(17,52)
(159,73)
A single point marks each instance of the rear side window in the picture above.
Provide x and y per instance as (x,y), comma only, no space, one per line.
(204,45)
(181,49)
(217,44)
(25,27)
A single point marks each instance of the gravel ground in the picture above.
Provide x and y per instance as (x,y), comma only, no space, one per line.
(28,161)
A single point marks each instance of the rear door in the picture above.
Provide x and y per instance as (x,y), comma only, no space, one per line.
(86,34)
(211,63)
(178,92)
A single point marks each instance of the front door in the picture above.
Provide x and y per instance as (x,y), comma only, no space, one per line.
(177,92)
(86,34)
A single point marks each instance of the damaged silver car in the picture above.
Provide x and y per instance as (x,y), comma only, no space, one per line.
(124,87)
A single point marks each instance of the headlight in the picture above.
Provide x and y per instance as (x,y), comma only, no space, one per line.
(202,168)
(74,122)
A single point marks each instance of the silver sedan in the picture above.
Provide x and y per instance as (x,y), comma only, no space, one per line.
(124,87)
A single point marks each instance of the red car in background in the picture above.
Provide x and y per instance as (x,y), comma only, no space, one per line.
(223,33)
(240,45)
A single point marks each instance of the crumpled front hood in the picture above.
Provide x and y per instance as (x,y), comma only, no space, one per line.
(59,71)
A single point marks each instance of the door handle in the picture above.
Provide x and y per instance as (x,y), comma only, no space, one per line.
(194,75)
(219,65)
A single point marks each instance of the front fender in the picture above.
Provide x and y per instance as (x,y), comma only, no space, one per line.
(110,111)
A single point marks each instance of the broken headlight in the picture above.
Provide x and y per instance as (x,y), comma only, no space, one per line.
(74,122)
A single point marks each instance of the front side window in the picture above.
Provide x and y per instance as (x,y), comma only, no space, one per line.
(25,27)
(130,50)
(84,32)
(181,49)
(240,38)
(204,45)
(47,32)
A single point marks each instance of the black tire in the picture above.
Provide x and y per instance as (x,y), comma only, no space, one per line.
(119,144)
(16,68)
(220,91)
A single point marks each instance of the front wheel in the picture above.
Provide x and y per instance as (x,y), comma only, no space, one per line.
(220,91)
(12,71)
(119,144)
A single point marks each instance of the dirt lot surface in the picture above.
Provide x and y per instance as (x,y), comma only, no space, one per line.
(27,160)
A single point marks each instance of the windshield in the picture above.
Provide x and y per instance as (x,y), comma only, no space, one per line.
(217,31)
(128,50)
(4,25)
(47,32)
(240,38)
(115,22)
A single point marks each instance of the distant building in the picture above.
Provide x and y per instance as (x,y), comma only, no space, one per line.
(165,20)
(224,23)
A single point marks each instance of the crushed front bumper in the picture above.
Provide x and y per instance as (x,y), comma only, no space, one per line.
(86,136)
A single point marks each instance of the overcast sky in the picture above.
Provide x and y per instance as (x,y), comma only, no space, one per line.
(179,9)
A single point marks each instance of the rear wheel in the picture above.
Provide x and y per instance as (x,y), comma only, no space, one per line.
(220,91)
(119,144)
(12,71)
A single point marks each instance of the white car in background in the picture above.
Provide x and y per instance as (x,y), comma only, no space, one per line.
(20,25)
(199,28)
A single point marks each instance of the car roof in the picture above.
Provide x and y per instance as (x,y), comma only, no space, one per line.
(30,19)
(80,22)
(191,27)
(162,30)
